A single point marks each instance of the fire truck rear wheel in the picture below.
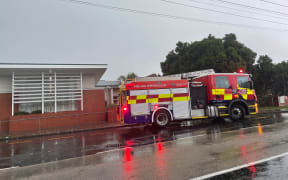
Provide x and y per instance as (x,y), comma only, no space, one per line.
(161,118)
(237,112)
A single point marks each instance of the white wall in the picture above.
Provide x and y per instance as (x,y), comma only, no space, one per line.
(89,81)
(5,84)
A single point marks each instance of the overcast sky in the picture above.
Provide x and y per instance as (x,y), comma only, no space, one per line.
(57,31)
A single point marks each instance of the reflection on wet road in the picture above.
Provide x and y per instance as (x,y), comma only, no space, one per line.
(46,149)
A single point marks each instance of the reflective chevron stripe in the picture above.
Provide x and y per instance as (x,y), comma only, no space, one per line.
(226,94)
(158,98)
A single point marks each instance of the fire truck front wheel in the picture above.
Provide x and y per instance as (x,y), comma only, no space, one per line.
(161,118)
(237,112)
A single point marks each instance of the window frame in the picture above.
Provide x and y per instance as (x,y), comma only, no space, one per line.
(42,87)
(247,82)
(222,76)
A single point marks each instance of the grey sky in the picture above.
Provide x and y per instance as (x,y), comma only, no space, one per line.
(55,31)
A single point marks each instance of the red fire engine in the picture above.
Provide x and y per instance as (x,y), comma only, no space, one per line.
(195,95)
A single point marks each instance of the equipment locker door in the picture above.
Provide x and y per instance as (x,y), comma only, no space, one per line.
(141,107)
(159,96)
(181,103)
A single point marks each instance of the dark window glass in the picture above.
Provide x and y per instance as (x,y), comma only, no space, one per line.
(222,82)
(243,81)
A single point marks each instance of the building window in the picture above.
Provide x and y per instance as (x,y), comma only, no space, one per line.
(47,92)
(222,82)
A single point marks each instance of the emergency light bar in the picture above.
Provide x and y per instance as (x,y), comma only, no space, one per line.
(240,70)
(193,74)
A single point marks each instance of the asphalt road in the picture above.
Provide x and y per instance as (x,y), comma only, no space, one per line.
(147,153)
(273,169)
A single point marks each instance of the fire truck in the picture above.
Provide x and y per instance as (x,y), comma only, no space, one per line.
(194,95)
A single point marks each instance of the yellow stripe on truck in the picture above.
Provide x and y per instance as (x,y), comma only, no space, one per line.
(181,98)
(165,95)
(222,107)
(218,91)
(227,96)
(156,100)
(244,96)
(131,101)
(202,117)
(249,91)
(141,97)
(152,100)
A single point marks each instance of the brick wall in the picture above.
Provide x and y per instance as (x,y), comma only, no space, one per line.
(94,114)
(5,112)
(113,114)
(94,100)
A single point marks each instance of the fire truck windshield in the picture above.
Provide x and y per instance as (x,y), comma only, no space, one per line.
(243,82)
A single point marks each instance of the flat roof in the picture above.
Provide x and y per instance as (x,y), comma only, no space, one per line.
(103,83)
(95,69)
(50,66)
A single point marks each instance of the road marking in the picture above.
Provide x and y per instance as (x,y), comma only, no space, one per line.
(190,137)
(9,168)
(58,138)
(20,142)
(239,167)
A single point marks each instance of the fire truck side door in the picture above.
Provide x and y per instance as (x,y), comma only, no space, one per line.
(139,108)
(181,103)
(222,84)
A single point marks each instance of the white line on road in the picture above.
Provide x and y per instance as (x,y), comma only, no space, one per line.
(8,168)
(239,167)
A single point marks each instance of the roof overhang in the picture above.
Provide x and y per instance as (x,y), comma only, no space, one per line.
(56,67)
(96,69)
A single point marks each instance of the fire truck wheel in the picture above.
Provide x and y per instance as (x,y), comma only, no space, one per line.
(161,118)
(237,112)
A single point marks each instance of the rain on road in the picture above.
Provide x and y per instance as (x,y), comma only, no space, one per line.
(138,143)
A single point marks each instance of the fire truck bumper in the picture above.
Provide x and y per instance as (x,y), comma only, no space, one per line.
(137,119)
(253,109)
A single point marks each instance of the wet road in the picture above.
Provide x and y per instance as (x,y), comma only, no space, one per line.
(274,169)
(45,149)
(147,141)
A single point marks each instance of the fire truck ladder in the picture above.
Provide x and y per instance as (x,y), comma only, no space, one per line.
(190,75)
(122,89)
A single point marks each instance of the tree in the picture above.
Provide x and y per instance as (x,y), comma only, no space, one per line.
(121,78)
(263,75)
(131,75)
(280,85)
(222,55)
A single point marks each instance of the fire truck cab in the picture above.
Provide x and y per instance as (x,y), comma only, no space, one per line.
(211,95)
